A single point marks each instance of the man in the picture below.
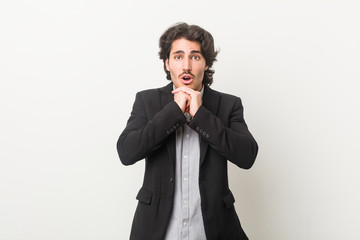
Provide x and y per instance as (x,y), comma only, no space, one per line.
(187,133)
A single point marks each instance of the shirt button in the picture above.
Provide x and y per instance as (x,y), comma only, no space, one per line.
(185,201)
(185,156)
(187,135)
(185,223)
(185,179)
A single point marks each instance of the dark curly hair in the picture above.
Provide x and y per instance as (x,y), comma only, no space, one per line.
(191,33)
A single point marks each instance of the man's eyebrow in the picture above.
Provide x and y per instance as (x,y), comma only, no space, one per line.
(179,52)
(196,51)
(182,52)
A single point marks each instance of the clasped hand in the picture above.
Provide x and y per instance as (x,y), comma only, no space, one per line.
(188,99)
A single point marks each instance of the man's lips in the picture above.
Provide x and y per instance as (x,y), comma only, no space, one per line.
(186,78)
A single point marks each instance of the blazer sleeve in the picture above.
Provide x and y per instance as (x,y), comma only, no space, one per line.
(233,141)
(143,135)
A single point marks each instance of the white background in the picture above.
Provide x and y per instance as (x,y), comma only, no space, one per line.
(69,72)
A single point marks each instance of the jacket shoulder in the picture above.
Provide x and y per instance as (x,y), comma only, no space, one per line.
(226,97)
(152,91)
(148,92)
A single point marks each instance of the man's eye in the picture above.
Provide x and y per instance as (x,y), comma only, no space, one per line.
(196,57)
(177,57)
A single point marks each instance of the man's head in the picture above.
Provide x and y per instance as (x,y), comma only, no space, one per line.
(188,54)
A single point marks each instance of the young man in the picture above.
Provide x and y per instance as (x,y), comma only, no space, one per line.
(187,133)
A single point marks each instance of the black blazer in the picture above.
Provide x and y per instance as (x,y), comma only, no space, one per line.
(150,134)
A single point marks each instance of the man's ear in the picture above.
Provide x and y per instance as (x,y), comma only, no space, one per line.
(167,64)
(206,67)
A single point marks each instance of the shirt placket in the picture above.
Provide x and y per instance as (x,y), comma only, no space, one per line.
(185,183)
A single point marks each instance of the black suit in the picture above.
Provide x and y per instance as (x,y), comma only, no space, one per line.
(150,134)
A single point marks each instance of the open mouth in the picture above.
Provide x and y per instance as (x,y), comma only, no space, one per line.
(187,79)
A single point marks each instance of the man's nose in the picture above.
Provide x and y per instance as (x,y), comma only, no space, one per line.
(187,64)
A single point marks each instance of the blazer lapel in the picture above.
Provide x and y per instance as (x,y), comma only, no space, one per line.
(210,102)
(165,98)
(165,95)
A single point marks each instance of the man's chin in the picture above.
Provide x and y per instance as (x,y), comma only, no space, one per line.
(190,85)
(184,85)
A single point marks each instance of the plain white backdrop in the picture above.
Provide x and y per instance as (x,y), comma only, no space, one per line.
(69,72)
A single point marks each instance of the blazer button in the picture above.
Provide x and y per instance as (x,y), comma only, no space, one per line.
(201,131)
(197,128)
(204,133)
(207,135)
(171,180)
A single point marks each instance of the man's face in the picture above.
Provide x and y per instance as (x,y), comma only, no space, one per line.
(186,64)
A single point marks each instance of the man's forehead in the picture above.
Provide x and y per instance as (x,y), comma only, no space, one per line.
(183,45)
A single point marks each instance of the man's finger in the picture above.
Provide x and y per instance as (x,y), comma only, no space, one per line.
(185,90)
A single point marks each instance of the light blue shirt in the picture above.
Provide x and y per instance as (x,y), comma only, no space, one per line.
(186,221)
